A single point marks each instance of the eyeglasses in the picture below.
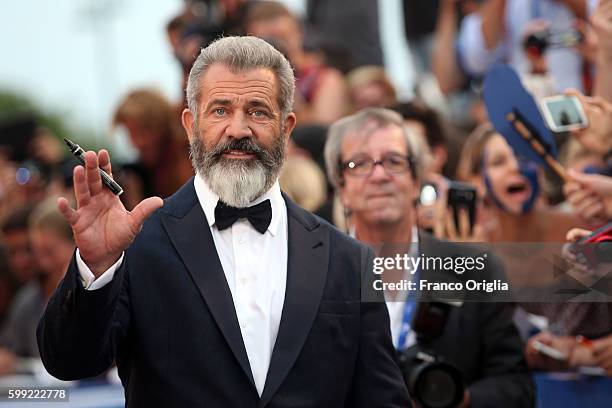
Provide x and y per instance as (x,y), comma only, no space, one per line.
(364,166)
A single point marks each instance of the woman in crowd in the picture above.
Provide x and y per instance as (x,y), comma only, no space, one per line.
(163,162)
(513,208)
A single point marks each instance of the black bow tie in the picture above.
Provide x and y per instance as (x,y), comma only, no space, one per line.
(259,215)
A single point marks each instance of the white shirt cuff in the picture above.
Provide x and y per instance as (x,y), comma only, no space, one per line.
(88,279)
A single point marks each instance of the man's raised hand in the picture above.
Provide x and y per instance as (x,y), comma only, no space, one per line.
(102,227)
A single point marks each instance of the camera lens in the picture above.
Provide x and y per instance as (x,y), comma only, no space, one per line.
(436,385)
(436,388)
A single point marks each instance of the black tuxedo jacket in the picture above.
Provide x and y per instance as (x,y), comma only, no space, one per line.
(168,320)
(480,337)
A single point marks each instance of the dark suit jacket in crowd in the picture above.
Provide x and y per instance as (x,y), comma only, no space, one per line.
(480,337)
(168,320)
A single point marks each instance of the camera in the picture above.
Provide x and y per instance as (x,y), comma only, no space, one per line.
(542,40)
(432,382)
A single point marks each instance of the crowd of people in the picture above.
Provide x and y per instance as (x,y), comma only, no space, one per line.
(350,120)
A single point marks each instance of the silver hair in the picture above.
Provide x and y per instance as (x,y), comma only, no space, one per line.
(358,122)
(241,54)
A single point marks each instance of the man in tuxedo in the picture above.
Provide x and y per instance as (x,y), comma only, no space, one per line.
(229,294)
(373,163)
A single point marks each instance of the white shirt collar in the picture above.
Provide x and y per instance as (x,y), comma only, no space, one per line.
(208,200)
(414,245)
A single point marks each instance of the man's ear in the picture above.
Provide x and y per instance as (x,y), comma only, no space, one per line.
(289,125)
(187,119)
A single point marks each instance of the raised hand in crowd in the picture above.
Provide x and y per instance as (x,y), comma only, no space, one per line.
(597,136)
(590,195)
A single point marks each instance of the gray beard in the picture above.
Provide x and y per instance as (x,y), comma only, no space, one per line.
(237,182)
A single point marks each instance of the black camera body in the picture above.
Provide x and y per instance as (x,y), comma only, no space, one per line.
(432,382)
(542,40)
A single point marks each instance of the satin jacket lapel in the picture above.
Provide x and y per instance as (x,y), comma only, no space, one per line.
(186,224)
(308,254)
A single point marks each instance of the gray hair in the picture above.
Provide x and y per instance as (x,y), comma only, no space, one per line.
(241,54)
(380,118)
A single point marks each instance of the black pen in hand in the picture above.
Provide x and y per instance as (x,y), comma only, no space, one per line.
(78,152)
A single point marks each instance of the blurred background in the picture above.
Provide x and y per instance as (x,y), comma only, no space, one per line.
(111,74)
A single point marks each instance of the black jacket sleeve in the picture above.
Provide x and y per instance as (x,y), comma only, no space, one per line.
(504,377)
(81,331)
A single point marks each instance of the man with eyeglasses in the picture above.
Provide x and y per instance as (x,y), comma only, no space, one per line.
(375,168)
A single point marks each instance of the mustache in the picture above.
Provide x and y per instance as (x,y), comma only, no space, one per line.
(386,188)
(245,144)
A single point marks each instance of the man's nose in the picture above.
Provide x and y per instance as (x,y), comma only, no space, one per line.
(379,173)
(238,126)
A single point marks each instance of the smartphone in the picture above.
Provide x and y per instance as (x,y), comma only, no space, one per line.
(563,113)
(462,195)
(549,351)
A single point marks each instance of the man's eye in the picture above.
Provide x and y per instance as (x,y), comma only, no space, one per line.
(220,111)
(258,113)
(358,163)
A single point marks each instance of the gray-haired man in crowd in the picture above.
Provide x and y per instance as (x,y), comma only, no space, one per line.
(372,163)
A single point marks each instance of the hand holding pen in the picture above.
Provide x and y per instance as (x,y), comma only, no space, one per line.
(101,225)
(107,180)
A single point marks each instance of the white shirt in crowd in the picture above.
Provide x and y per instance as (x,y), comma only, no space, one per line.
(255,266)
(396,306)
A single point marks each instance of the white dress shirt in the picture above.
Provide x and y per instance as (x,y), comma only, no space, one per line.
(396,306)
(255,266)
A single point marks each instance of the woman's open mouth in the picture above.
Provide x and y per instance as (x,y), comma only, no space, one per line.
(518,191)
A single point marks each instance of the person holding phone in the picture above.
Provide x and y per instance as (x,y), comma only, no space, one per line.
(512,207)
(591,194)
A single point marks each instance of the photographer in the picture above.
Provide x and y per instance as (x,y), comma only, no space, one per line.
(379,202)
